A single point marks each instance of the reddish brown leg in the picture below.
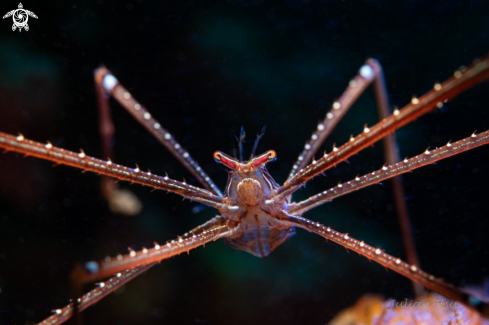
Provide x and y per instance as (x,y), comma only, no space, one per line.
(106,85)
(101,291)
(428,157)
(120,201)
(107,168)
(462,80)
(107,130)
(370,72)
(212,230)
(391,153)
(377,255)
(390,171)
(131,265)
(217,228)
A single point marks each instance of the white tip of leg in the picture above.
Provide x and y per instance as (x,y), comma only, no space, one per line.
(92,266)
(109,82)
(367,72)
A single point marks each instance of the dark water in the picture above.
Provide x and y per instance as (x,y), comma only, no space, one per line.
(204,69)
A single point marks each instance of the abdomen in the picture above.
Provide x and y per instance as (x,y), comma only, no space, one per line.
(262,240)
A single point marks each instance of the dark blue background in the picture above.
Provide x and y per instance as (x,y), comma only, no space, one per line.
(203,69)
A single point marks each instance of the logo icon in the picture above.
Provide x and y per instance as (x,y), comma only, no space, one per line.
(20,17)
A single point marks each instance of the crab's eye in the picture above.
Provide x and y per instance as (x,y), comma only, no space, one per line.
(264,158)
(226,160)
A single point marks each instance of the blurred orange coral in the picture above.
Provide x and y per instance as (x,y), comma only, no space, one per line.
(429,309)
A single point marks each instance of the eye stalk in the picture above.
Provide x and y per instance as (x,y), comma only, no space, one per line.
(234,164)
(226,160)
(264,158)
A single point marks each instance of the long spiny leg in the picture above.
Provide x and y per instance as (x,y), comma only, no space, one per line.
(134,264)
(428,157)
(101,291)
(107,168)
(120,201)
(407,165)
(391,153)
(370,72)
(409,271)
(217,228)
(107,82)
(106,130)
(462,80)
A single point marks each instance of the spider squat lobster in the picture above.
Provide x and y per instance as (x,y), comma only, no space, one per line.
(257,215)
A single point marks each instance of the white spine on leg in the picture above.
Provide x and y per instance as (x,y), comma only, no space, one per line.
(109,82)
(367,72)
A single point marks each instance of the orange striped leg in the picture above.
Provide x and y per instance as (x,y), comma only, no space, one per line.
(101,291)
(120,201)
(217,228)
(461,80)
(407,165)
(106,83)
(106,130)
(391,153)
(107,168)
(368,73)
(409,271)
